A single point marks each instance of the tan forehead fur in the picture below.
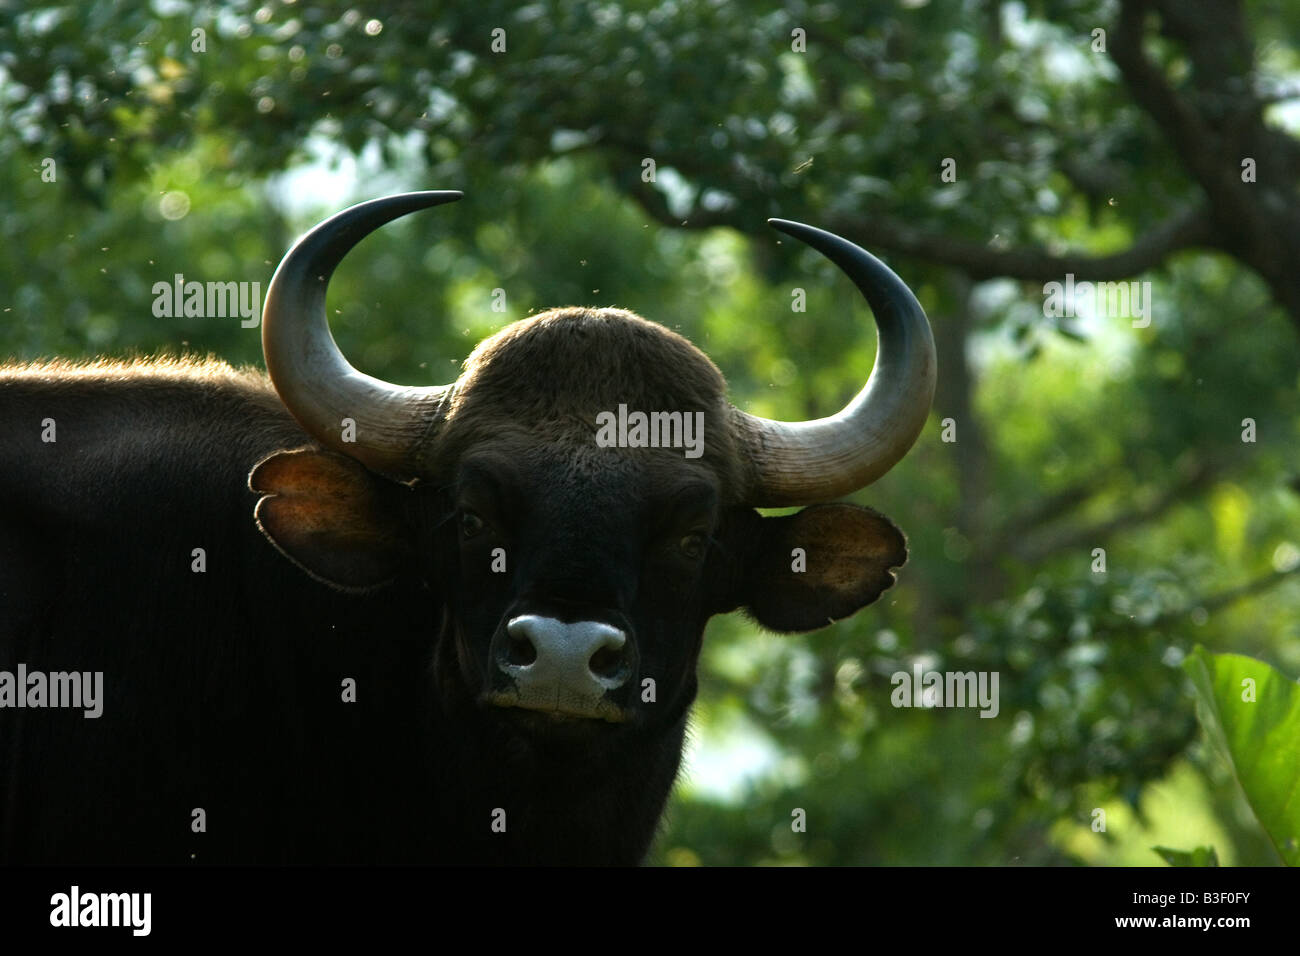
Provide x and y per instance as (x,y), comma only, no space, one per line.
(544,379)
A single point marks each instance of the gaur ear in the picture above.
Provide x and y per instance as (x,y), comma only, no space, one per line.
(327,514)
(809,569)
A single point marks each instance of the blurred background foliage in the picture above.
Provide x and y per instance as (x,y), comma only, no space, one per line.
(204,153)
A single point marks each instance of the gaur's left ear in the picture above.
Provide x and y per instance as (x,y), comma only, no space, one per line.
(806,570)
(329,515)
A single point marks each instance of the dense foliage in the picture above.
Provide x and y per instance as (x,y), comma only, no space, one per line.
(985,148)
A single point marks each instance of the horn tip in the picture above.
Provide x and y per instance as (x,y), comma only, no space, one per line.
(791,228)
(437,196)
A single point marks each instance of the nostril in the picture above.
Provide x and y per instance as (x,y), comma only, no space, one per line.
(520,650)
(606,662)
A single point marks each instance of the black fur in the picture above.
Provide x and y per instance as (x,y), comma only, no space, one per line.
(223,689)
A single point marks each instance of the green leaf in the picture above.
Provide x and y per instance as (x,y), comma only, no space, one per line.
(1251,714)
(1201,856)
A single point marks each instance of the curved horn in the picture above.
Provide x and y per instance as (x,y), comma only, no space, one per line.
(314,380)
(800,463)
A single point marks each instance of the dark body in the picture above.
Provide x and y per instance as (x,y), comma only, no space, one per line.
(344,621)
(224,688)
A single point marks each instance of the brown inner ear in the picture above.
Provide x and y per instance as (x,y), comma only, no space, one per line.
(849,552)
(330,516)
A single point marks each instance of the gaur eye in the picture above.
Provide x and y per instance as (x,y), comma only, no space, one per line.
(470,524)
(693,544)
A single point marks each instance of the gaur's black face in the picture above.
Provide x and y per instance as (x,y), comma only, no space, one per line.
(580,585)
(573,577)
(574,564)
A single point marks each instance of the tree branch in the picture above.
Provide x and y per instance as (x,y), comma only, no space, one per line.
(1231,596)
(1054,506)
(1148,86)
(1188,228)
(1031,551)
(653,202)
(1183,230)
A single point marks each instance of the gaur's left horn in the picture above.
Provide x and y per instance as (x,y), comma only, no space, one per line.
(799,463)
(314,380)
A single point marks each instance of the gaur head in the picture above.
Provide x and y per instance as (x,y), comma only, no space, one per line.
(581,500)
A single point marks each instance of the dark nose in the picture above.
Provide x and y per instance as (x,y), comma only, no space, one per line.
(565,661)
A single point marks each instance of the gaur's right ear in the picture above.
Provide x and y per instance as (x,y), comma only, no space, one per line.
(327,514)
